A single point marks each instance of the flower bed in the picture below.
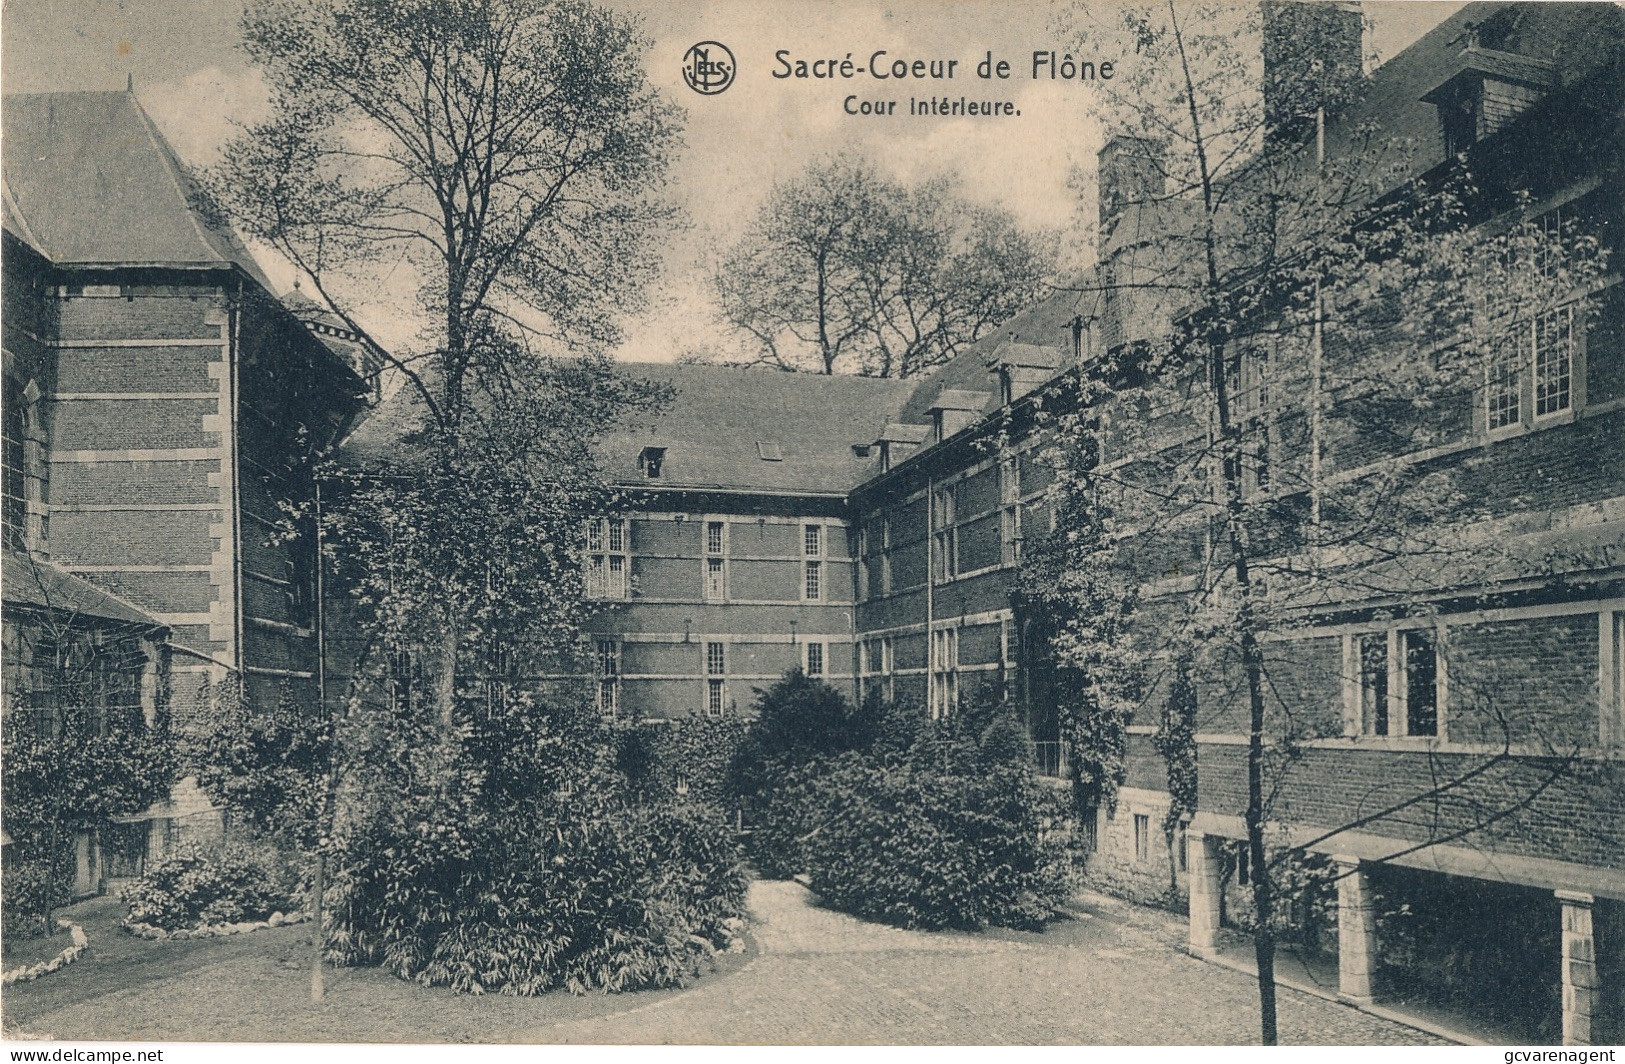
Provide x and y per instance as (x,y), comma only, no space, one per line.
(141,930)
(78,943)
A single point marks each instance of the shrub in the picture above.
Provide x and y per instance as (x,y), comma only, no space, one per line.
(691,755)
(88,768)
(916,846)
(926,824)
(31,890)
(200,887)
(797,720)
(603,895)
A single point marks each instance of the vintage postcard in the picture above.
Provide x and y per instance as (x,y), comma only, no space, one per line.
(756,523)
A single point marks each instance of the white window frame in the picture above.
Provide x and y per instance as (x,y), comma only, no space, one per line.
(1516,393)
(607,661)
(815,649)
(814,541)
(1359,714)
(715,578)
(608,572)
(944,535)
(716,697)
(944,660)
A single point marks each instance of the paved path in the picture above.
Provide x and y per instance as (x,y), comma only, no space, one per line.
(1113,976)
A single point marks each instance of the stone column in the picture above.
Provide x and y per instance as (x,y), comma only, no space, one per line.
(1204,884)
(1356,932)
(1579,967)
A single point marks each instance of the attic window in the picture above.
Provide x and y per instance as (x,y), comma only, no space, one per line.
(769,451)
(1485,91)
(860,450)
(651,460)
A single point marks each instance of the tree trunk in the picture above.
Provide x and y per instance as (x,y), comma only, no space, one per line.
(317,987)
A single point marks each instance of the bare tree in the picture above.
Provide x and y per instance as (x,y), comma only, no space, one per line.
(845,271)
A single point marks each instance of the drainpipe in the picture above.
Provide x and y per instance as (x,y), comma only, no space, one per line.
(930,590)
(234,392)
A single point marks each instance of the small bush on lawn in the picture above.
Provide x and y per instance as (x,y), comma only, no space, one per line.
(912,845)
(201,887)
(940,826)
(604,895)
(32,889)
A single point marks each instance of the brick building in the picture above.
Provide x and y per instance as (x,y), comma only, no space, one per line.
(1507,677)
(159,404)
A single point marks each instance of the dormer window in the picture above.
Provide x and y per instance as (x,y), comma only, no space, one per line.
(860,450)
(1485,90)
(652,460)
(769,452)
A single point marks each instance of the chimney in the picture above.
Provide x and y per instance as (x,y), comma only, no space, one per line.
(1313,58)
(1130,172)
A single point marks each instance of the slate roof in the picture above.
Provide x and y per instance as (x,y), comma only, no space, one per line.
(356,350)
(1570,35)
(28,582)
(89,181)
(712,428)
(720,413)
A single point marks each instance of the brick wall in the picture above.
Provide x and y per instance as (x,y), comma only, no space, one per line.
(664,626)
(1540,807)
(1533,681)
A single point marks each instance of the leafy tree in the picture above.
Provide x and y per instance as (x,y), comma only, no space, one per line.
(508,157)
(844,271)
(1278,309)
(266,765)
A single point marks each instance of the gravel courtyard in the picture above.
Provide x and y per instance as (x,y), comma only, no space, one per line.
(1111,976)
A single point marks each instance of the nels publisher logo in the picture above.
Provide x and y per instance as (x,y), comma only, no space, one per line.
(708,68)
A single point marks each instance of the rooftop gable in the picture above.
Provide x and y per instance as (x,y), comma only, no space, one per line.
(90,181)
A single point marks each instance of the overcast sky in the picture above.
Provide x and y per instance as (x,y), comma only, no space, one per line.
(192,79)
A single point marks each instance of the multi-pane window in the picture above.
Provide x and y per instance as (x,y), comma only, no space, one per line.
(1142,837)
(15,475)
(1554,361)
(944,671)
(1009,657)
(1421,682)
(1541,351)
(814,586)
(608,653)
(716,567)
(1503,398)
(945,545)
(1399,683)
(815,660)
(716,688)
(1374,683)
(1247,378)
(1010,511)
(812,545)
(607,558)
(403,681)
